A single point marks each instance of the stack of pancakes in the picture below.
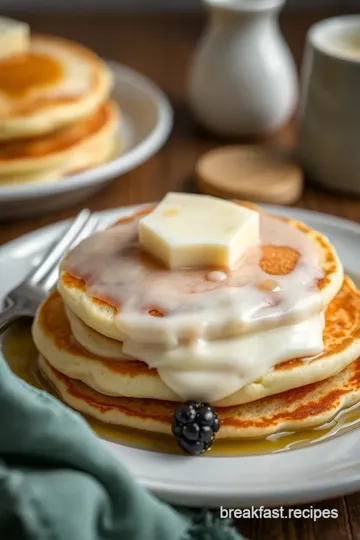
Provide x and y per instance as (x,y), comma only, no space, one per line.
(55,114)
(81,354)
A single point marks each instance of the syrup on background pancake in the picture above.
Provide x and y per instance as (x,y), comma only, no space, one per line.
(21,74)
(56,83)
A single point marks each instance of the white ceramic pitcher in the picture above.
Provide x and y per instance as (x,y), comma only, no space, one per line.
(242,80)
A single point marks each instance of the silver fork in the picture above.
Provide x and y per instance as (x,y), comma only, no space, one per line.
(24,300)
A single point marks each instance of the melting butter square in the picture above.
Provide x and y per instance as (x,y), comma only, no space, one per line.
(14,37)
(188,230)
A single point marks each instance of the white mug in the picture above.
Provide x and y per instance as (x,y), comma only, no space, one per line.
(329,136)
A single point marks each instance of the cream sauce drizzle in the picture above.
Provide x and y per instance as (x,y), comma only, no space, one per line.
(192,345)
(214,370)
(115,270)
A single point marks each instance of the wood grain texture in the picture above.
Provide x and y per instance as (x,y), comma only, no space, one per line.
(160,46)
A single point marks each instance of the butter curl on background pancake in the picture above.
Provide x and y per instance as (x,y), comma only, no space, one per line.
(132,378)
(306,407)
(57,83)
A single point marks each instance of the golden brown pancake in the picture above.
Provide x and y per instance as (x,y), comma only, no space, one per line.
(53,338)
(280,260)
(299,394)
(306,407)
(57,83)
(84,144)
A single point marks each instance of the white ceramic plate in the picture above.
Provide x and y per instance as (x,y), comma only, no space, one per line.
(320,471)
(145,124)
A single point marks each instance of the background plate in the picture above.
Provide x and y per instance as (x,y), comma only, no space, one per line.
(145,124)
(320,471)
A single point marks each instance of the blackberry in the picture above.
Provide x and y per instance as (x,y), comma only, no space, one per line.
(194,426)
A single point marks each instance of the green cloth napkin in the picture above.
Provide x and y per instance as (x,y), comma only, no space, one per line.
(57,482)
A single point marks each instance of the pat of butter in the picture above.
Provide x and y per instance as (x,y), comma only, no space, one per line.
(197,230)
(14,37)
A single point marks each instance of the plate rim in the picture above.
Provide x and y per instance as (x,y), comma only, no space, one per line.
(309,489)
(299,213)
(146,148)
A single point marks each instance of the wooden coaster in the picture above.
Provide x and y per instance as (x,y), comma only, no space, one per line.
(255,173)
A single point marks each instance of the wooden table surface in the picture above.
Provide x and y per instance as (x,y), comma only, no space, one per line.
(160,47)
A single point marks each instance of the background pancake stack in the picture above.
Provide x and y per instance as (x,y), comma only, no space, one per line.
(55,114)
(81,353)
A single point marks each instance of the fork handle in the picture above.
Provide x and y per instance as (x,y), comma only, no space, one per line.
(11,315)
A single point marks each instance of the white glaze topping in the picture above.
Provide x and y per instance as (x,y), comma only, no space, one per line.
(282,317)
(213,370)
(116,271)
